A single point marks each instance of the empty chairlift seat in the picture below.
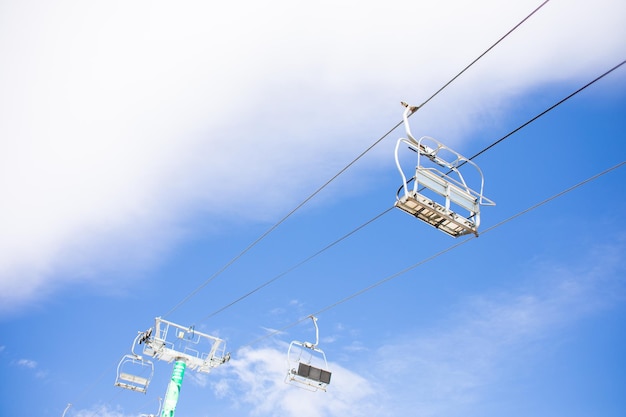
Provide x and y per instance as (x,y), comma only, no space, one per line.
(438,193)
(306,364)
(134,373)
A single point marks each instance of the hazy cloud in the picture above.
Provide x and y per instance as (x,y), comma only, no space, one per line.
(34,366)
(198,379)
(448,371)
(27,363)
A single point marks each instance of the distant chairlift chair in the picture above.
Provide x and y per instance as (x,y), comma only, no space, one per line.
(307,364)
(436,197)
(134,372)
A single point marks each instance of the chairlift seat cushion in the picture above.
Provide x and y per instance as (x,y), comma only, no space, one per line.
(436,215)
(134,378)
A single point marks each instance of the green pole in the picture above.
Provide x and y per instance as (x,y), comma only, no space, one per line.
(173,389)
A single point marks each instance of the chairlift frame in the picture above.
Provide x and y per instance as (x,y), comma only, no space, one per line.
(307,364)
(133,381)
(453,193)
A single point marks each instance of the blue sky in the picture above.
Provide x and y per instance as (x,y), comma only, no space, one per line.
(145,145)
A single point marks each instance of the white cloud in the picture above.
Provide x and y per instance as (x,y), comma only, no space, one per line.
(27,363)
(260,373)
(270,331)
(32,365)
(41,374)
(200,380)
(120,122)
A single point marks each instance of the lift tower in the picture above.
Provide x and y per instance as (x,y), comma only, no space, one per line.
(188,348)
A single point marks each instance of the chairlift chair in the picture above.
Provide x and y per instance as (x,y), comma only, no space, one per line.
(307,364)
(440,195)
(134,372)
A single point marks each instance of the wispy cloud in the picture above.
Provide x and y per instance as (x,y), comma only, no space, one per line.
(451,369)
(27,363)
(34,366)
(198,379)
